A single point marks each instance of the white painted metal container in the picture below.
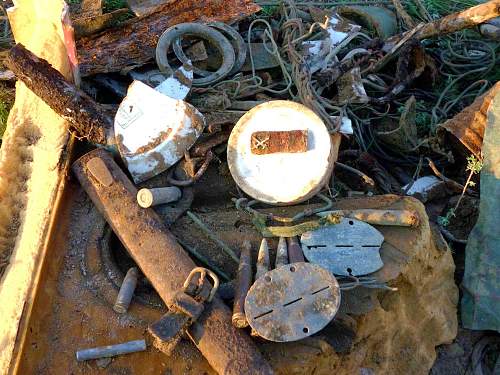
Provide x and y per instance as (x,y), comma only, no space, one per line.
(282,177)
(153,130)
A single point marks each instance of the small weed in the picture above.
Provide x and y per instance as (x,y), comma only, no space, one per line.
(474,166)
(4,113)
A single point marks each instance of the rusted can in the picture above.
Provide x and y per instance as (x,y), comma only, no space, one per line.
(166,265)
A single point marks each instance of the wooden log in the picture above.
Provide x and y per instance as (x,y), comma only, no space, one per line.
(134,43)
(86,117)
(452,23)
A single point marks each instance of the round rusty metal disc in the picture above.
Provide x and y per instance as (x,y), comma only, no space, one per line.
(292,302)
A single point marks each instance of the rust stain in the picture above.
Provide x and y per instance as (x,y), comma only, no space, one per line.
(270,142)
(161,138)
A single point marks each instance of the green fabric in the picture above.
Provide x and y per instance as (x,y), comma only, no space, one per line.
(481,284)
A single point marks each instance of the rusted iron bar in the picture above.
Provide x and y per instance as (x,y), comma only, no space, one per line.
(295,253)
(243,284)
(452,23)
(402,218)
(166,265)
(86,117)
(134,43)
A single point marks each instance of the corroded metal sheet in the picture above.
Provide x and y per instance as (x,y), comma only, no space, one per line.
(348,248)
(153,130)
(292,302)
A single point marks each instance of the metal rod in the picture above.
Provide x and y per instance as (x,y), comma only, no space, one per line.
(295,253)
(153,197)
(244,281)
(111,350)
(126,291)
(212,236)
(166,265)
(263,263)
(281,253)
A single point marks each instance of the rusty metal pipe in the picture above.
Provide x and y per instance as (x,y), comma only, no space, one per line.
(243,284)
(164,262)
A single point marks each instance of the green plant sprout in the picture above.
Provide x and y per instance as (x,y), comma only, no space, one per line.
(474,166)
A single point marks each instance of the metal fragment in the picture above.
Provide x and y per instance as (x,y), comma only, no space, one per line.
(281,253)
(243,283)
(348,248)
(177,85)
(126,291)
(201,31)
(292,302)
(111,350)
(153,197)
(295,253)
(263,262)
(153,131)
(402,218)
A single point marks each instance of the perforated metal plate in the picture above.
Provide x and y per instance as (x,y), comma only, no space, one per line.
(348,248)
(292,302)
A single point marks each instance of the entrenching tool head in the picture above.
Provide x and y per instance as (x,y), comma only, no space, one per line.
(153,131)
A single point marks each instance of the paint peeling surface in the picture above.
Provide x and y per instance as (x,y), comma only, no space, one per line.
(292,302)
(178,85)
(153,130)
(280,178)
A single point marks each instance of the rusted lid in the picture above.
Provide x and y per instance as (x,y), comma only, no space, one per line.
(280,177)
(292,302)
(153,130)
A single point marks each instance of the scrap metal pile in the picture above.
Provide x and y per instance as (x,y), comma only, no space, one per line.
(303,104)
